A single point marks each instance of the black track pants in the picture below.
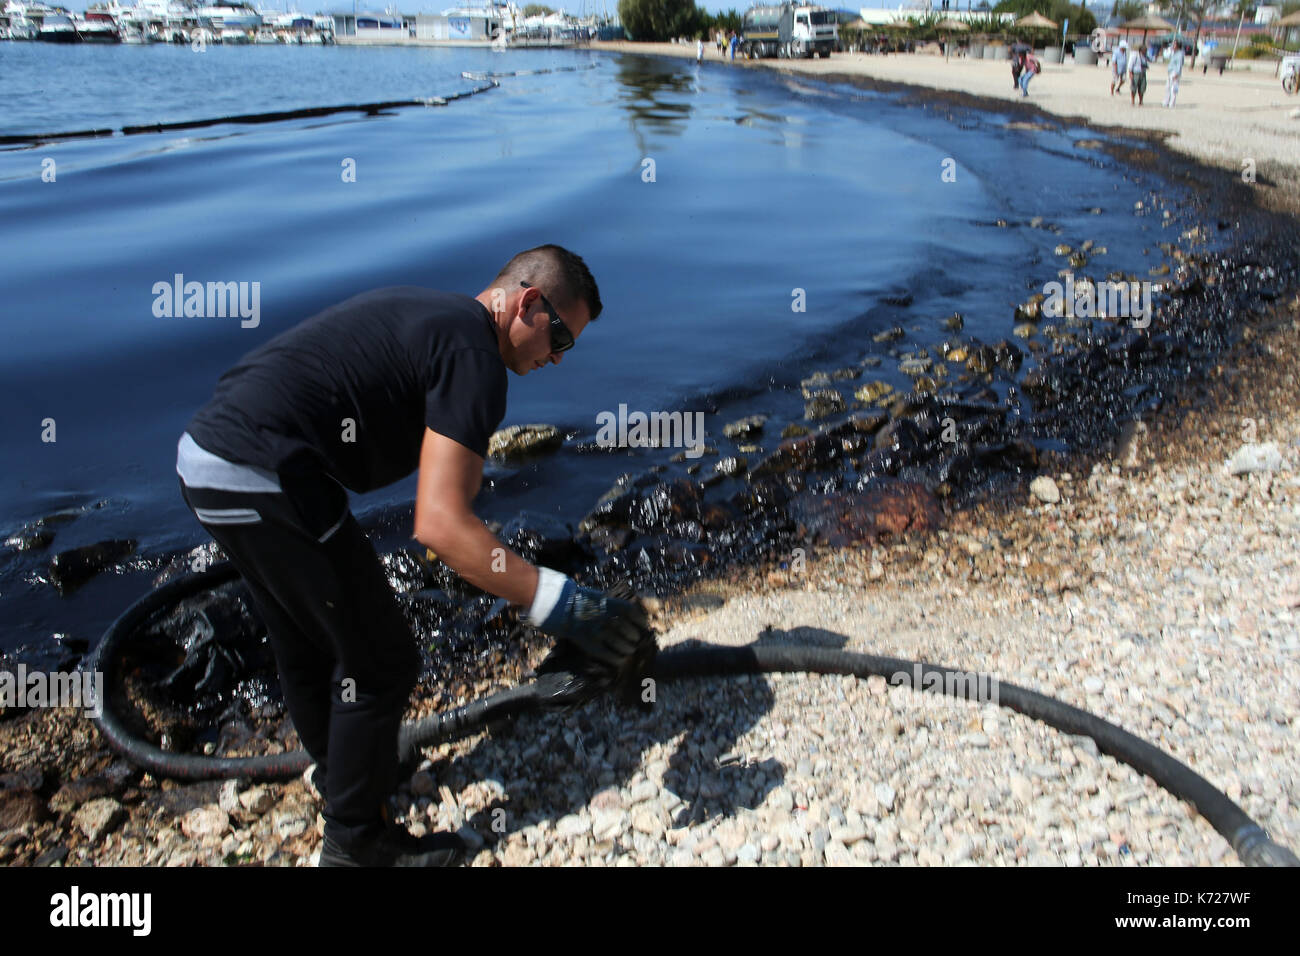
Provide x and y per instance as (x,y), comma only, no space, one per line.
(346,656)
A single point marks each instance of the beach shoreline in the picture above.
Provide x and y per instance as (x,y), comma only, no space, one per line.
(1223,121)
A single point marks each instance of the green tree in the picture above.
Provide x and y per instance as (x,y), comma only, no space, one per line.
(731,20)
(659,19)
(710,22)
(1130,9)
(538,10)
(1023,8)
(1081,19)
(1189,11)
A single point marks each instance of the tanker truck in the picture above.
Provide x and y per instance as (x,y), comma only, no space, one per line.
(789,30)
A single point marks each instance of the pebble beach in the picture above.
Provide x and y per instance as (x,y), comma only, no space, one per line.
(1155,584)
(1155,588)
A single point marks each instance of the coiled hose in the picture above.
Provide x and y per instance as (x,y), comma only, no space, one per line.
(1251,843)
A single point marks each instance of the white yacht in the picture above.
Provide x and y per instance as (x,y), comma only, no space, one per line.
(166,21)
(97,26)
(17,24)
(296,27)
(128,20)
(223,15)
(58,28)
(553,29)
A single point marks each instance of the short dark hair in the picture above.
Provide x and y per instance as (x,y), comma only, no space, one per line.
(561,275)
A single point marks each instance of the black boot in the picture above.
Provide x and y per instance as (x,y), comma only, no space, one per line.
(394,847)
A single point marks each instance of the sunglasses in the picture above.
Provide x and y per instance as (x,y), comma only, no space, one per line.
(561,337)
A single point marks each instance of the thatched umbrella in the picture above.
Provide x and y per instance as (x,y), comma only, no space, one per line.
(855,28)
(894,26)
(949,25)
(899,25)
(1036,19)
(1147,24)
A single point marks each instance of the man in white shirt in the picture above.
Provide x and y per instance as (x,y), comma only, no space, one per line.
(1176,58)
(1118,67)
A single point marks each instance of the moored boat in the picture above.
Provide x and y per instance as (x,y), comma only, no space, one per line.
(18,22)
(97,27)
(228,14)
(58,28)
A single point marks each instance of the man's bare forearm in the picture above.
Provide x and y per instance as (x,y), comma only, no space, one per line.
(466,546)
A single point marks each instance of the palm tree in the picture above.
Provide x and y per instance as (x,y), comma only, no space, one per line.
(1243,9)
(1194,9)
(1128,9)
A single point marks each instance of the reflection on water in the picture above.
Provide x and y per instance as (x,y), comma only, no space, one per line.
(751,117)
(655,97)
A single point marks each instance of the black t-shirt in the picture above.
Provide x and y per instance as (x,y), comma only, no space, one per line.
(350,390)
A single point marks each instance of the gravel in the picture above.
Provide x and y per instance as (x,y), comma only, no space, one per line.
(1161,594)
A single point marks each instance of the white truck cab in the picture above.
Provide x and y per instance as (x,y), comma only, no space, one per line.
(789,30)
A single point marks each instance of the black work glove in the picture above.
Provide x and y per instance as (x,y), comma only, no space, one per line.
(604,628)
(605,642)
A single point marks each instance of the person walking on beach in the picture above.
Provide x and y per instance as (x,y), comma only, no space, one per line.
(1137,66)
(699,50)
(357,397)
(1176,58)
(1030,71)
(1118,67)
(1017,65)
(733,42)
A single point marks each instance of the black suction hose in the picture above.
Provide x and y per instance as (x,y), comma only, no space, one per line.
(107,659)
(1251,843)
